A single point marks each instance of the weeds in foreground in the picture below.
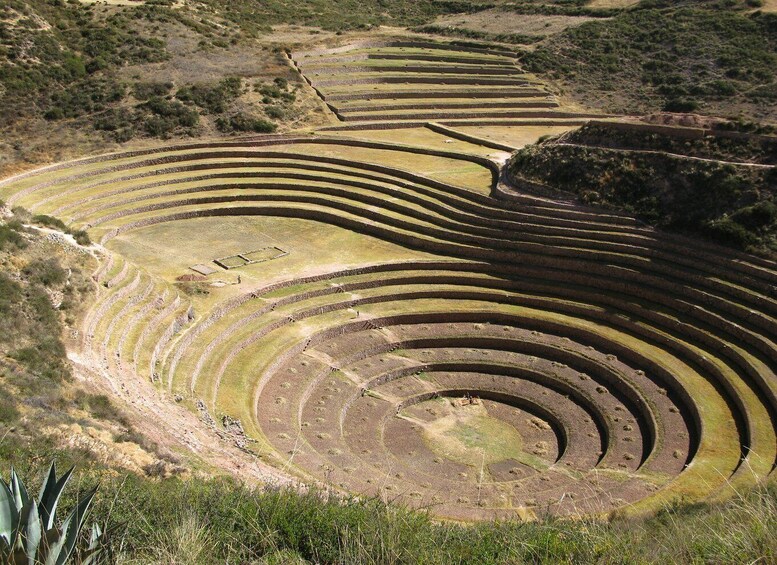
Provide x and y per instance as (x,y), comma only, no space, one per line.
(199,521)
(216,520)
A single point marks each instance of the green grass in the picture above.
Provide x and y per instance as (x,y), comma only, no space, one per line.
(201,521)
(470,436)
(235,524)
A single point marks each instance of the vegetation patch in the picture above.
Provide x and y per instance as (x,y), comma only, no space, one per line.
(80,236)
(716,57)
(707,195)
(454,31)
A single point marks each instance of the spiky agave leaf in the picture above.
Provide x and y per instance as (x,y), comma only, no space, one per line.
(50,492)
(19,491)
(29,534)
(32,532)
(92,552)
(9,515)
(72,526)
(52,544)
(21,501)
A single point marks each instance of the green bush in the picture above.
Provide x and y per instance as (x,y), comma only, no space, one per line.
(681,106)
(269,90)
(10,237)
(10,295)
(167,116)
(46,272)
(81,237)
(275,112)
(728,232)
(45,360)
(213,98)
(244,123)
(761,215)
(8,411)
(49,222)
(146,90)
(103,408)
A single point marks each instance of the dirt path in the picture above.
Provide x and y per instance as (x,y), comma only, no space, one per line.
(161,419)
(667,154)
(171,425)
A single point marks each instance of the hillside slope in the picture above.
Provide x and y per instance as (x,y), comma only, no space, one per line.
(716,187)
(714,57)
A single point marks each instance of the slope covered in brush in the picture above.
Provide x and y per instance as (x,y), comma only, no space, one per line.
(716,57)
(696,186)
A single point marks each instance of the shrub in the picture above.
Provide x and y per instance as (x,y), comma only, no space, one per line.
(213,98)
(146,90)
(728,232)
(681,106)
(10,294)
(103,408)
(275,112)
(8,411)
(167,116)
(49,222)
(46,272)
(10,237)
(81,237)
(269,91)
(244,123)
(46,360)
(758,216)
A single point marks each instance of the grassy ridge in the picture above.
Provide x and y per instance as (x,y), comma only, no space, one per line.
(714,57)
(219,521)
(202,521)
(44,287)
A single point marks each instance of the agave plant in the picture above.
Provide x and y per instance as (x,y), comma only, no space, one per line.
(29,533)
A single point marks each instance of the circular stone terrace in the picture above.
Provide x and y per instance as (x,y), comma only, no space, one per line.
(430,335)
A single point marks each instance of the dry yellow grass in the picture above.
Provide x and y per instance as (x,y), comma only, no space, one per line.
(168,250)
(499,21)
(516,136)
(769,6)
(612,3)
